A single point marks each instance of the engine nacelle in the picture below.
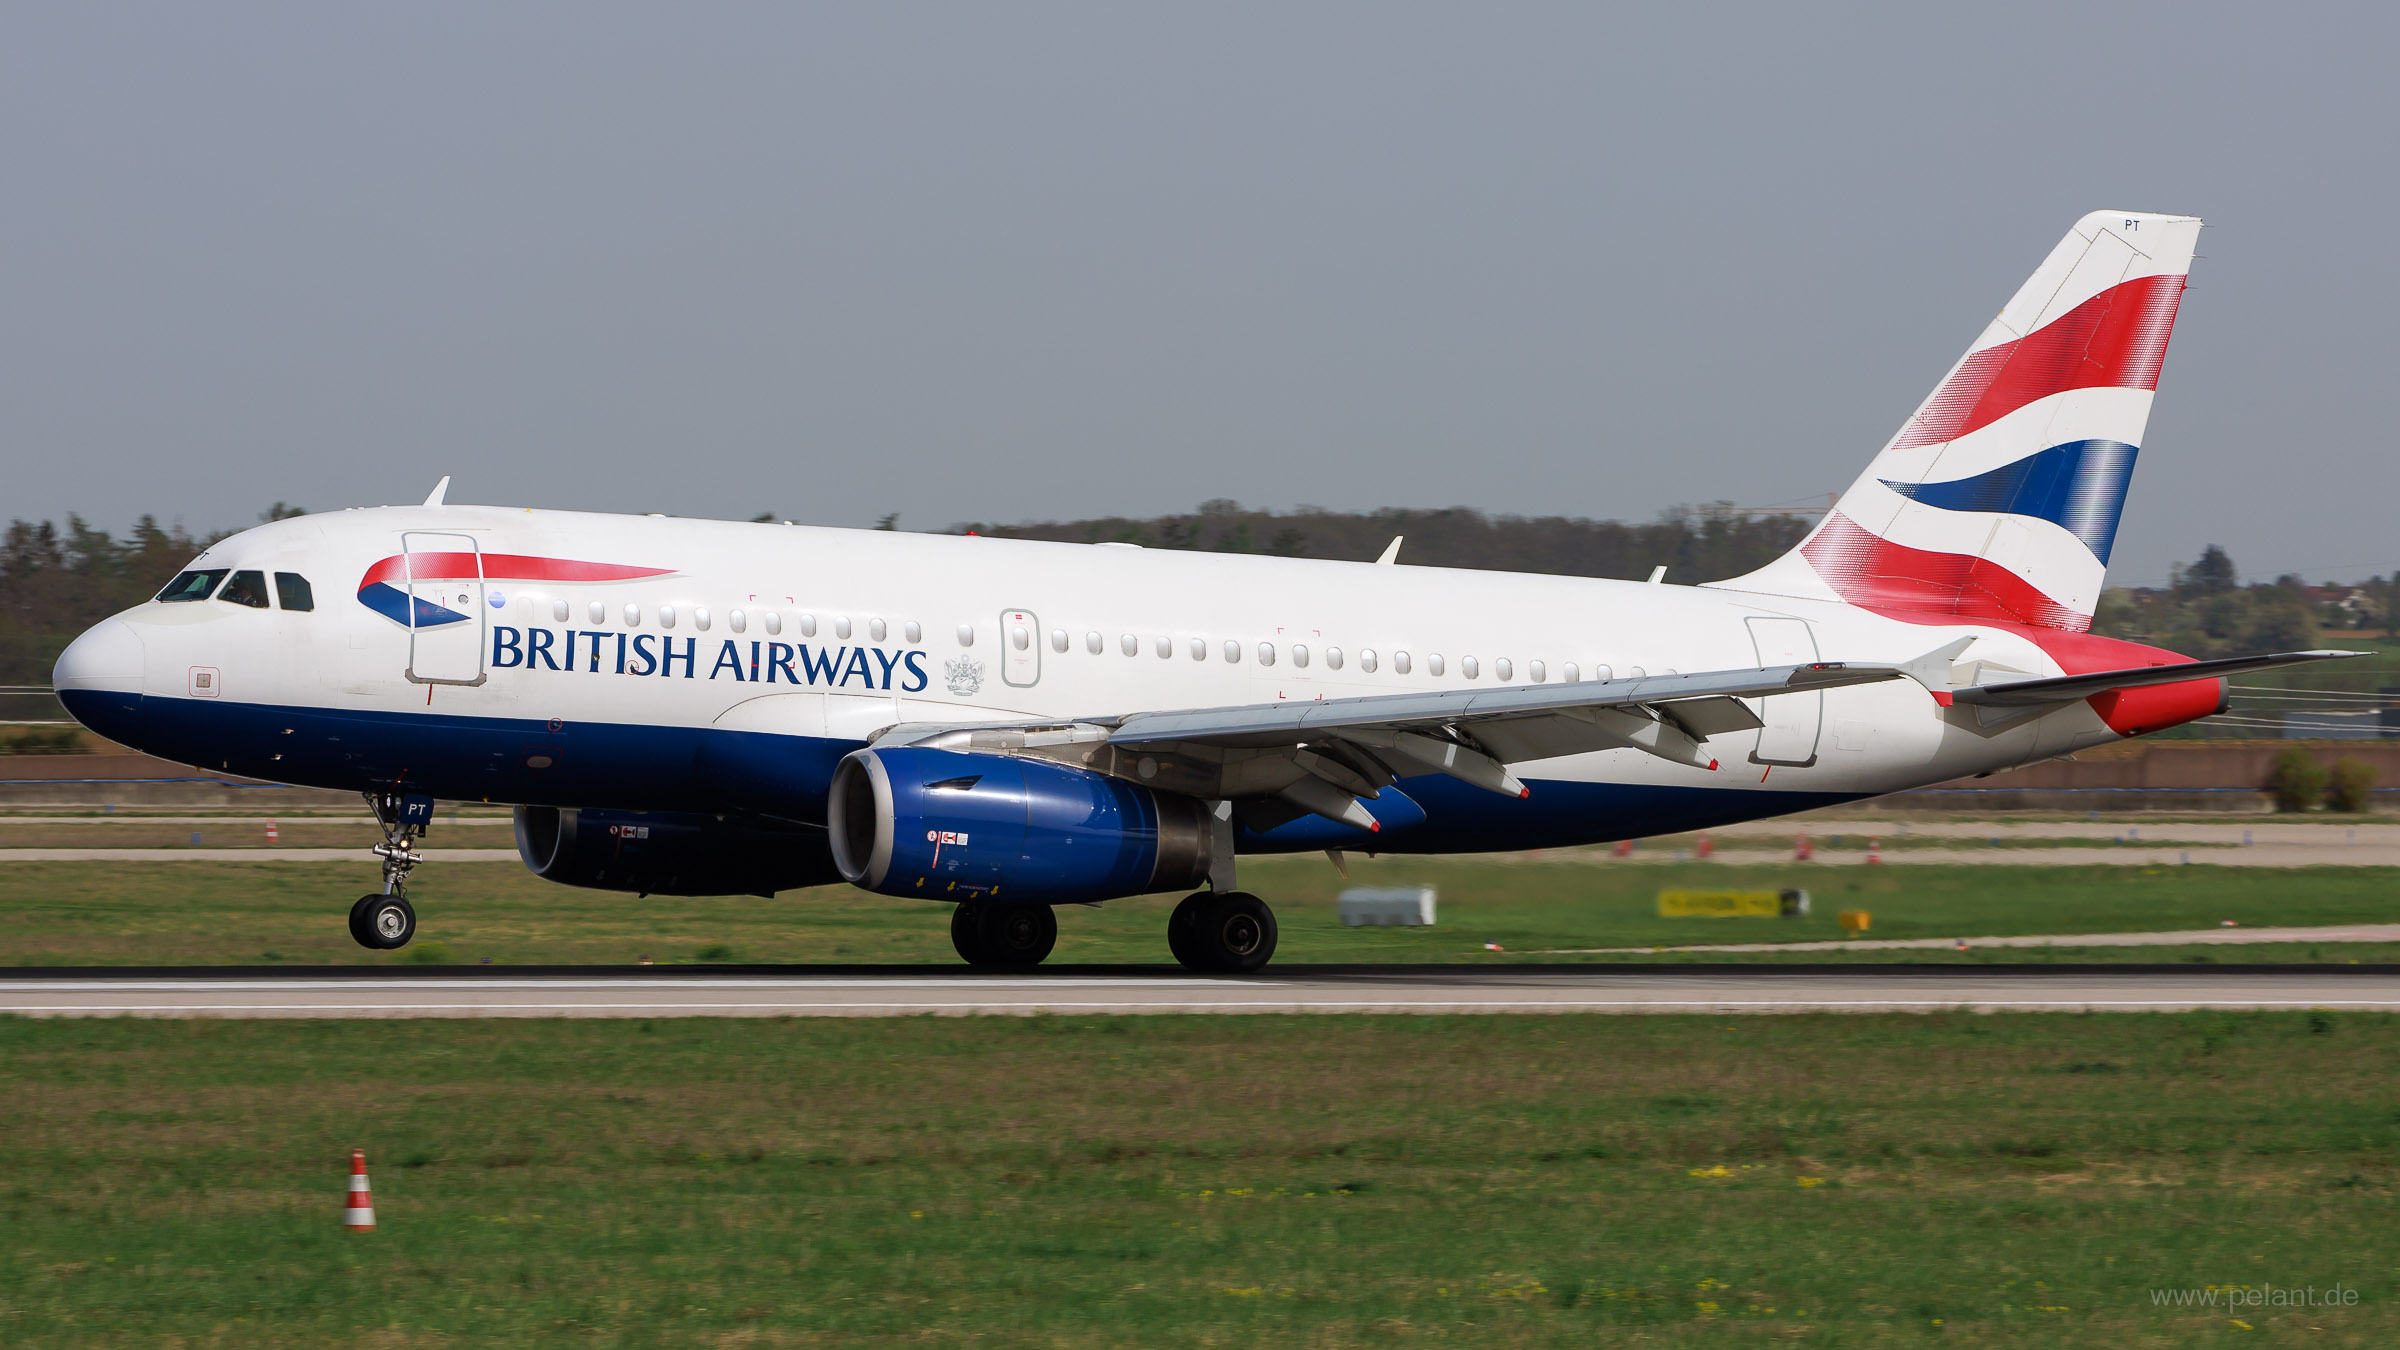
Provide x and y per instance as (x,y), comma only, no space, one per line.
(945,824)
(669,853)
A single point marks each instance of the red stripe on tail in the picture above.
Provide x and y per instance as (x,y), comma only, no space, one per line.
(1868,570)
(2115,340)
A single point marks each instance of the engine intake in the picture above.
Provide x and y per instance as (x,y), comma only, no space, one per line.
(945,824)
(669,853)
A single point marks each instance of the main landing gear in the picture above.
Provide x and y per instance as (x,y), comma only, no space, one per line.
(386,922)
(1223,934)
(1003,936)
(1228,934)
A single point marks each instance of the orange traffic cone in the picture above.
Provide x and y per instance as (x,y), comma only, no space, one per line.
(359,1217)
(1707,849)
(1874,849)
(1624,848)
(1802,850)
(270,832)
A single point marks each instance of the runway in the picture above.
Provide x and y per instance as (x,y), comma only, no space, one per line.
(902,992)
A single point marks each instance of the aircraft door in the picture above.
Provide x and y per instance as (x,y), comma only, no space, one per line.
(443,574)
(1020,649)
(1793,721)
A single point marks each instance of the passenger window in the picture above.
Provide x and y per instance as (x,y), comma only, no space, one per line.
(966,632)
(1502,670)
(1093,642)
(1333,657)
(1399,663)
(1300,654)
(1199,649)
(700,617)
(913,631)
(774,623)
(1366,659)
(841,628)
(1266,653)
(558,610)
(595,614)
(292,592)
(737,621)
(666,616)
(876,630)
(1166,648)
(1603,674)
(1467,666)
(1233,652)
(190,586)
(808,626)
(633,616)
(246,588)
(1572,673)
(1058,639)
(1130,645)
(1433,664)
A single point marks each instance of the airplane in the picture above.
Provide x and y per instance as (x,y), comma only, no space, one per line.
(694,707)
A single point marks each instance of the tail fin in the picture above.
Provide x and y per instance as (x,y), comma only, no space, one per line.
(1999,497)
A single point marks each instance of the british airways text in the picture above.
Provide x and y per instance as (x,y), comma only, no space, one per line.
(748,661)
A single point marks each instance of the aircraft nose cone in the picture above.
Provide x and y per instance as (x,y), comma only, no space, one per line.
(108,657)
(99,679)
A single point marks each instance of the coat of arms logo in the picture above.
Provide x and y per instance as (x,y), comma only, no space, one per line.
(964,676)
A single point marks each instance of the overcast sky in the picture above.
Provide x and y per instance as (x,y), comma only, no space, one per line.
(1022,261)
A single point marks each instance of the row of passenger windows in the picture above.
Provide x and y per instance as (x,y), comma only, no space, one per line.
(1300,654)
(770,621)
(246,588)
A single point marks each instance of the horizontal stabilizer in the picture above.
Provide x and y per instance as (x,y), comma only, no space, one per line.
(2068,688)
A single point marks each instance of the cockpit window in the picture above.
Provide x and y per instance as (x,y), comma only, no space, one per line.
(292,592)
(246,588)
(191,586)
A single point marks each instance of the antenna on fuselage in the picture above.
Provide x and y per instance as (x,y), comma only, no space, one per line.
(434,498)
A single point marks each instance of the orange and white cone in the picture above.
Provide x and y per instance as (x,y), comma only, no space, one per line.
(1874,850)
(359,1217)
(270,832)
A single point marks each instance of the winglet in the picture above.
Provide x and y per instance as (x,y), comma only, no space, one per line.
(440,489)
(1391,552)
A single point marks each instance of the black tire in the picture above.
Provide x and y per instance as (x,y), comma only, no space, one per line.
(382,922)
(966,931)
(1018,936)
(1182,924)
(1232,934)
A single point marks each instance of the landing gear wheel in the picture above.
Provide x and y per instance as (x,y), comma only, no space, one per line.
(383,922)
(987,934)
(1182,924)
(1229,934)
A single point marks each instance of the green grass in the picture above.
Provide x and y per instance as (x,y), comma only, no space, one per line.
(228,912)
(1172,1181)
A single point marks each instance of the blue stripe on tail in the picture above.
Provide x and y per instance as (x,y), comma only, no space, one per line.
(2079,485)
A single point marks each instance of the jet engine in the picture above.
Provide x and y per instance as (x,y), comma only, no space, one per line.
(670,853)
(953,825)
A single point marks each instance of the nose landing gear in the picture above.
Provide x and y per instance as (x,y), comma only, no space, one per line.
(386,922)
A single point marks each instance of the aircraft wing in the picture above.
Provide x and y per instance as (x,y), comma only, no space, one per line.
(1321,756)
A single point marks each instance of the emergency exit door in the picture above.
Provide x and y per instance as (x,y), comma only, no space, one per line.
(1793,721)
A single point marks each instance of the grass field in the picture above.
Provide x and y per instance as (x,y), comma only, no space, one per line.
(269,913)
(1322,1181)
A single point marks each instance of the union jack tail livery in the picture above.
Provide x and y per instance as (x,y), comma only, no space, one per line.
(1998,500)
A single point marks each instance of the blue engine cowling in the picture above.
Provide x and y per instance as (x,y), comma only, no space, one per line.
(670,853)
(949,825)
